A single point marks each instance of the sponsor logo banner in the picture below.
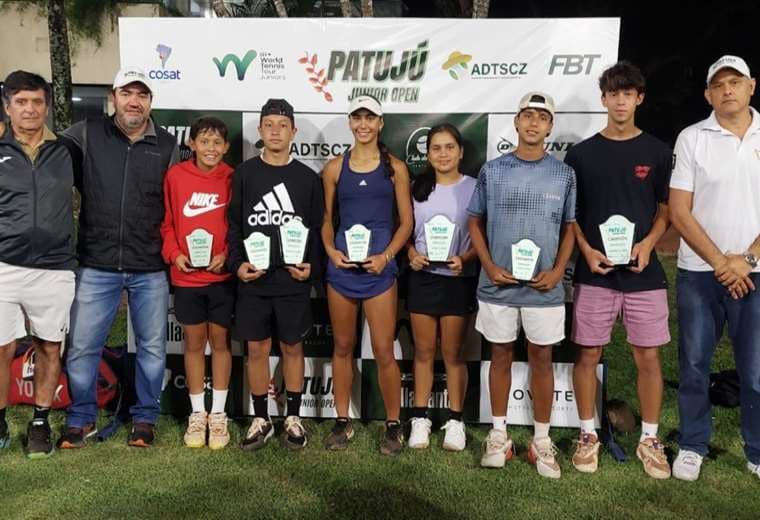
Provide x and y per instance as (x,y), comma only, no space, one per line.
(319,138)
(406,137)
(174,392)
(411,67)
(520,406)
(318,397)
(178,123)
(438,403)
(568,129)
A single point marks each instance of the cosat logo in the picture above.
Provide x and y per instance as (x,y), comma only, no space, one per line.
(456,61)
(164,51)
(416,150)
(241,65)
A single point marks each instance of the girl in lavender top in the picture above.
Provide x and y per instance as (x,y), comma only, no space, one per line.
(441,297)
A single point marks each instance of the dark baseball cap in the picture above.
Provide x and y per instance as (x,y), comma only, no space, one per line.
(277,107)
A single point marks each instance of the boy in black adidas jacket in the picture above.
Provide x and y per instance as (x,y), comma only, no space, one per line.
(268,191)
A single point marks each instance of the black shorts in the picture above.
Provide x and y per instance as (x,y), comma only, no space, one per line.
(440,295)
(211,303)
(259,317)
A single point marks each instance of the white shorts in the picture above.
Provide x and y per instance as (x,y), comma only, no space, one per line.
(43,295)
(501,323)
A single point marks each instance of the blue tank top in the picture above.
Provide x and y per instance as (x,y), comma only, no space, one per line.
(367,199)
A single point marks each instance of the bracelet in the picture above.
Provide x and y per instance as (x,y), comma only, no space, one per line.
(387,257)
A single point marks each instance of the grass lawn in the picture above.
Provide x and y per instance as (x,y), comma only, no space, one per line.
(169,481)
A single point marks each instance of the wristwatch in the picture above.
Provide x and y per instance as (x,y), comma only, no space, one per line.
(750,259)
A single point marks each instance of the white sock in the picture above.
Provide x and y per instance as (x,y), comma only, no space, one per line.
(500,423)
(219,400)
(587,426)
(648,430)
(198,402)
(540,430)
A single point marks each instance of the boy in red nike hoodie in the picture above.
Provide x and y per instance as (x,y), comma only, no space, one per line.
(196,194)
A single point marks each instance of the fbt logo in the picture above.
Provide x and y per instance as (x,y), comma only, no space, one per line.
(572,64)
(164,52)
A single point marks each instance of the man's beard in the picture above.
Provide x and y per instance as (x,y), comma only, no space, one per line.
(132,122)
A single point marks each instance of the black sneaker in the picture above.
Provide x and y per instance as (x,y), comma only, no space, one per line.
(393,439)
(341,433)
(142,435)
(39,445)
(76,437)
(258,434)
(5,435)
(295,434)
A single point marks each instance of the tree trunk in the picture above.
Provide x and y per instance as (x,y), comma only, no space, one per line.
(480,8)
(280,6)
(60,64)
(219,8)
(345,8)
(367,8)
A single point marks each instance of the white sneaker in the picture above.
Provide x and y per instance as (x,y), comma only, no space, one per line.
(497,449)
(687,465)
(754,469)
(419,438)
(455,438)
(543,453)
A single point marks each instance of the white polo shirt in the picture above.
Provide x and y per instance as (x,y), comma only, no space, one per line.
(723,173)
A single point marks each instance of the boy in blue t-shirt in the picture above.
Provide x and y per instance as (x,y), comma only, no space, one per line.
(526,194)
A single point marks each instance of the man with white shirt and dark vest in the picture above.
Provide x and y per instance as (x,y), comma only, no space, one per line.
(120,163)
(269,191)
(714,205)
(36,248)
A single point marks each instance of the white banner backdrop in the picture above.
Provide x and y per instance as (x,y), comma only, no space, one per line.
(412,65)
(470,72)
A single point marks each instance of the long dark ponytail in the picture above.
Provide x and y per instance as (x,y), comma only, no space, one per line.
(424,184)
(385,158)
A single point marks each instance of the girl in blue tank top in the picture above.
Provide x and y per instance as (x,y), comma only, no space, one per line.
(363,187)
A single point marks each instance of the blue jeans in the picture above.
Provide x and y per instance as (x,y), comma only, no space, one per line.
(92,314)
(704,308)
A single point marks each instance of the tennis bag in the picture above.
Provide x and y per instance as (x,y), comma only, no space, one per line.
(21,387)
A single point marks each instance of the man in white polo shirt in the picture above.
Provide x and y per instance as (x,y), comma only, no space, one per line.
(714,204)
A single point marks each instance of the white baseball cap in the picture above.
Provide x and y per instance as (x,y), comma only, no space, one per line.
(367,103)
(537,100)
(728,62)
(127,75)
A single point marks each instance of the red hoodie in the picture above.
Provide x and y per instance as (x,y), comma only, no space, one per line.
(195,199)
